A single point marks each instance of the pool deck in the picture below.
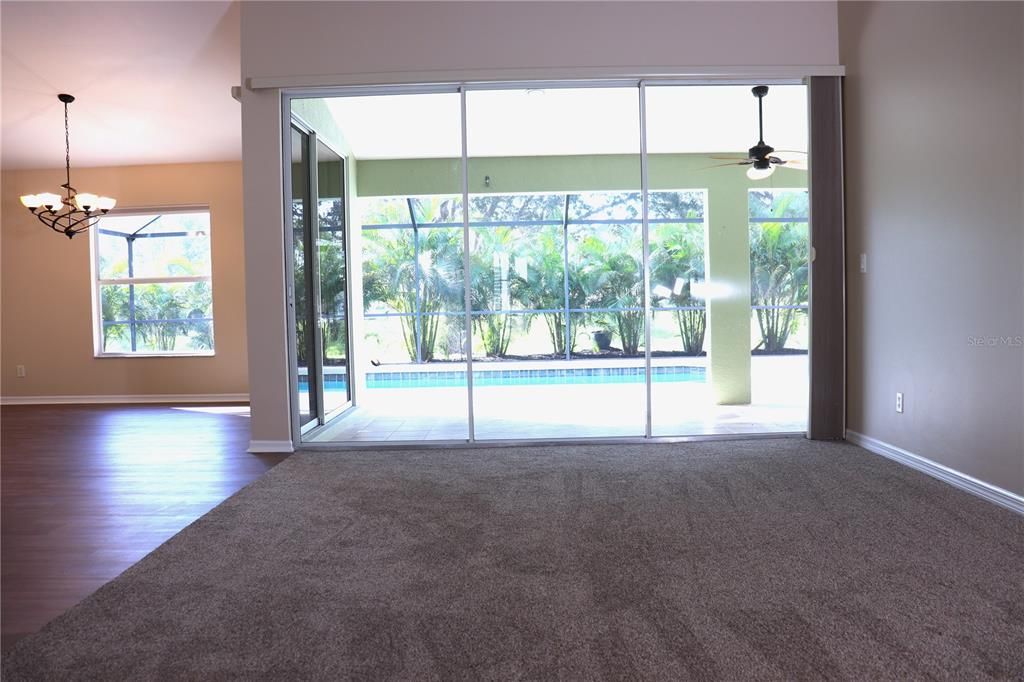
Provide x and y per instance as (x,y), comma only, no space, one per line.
(552,411)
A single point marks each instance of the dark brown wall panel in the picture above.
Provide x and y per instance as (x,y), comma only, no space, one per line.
(827,304)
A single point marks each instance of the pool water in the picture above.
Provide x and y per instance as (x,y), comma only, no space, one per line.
(516,377)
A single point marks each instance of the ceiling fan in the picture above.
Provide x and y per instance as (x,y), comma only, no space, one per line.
(762,158)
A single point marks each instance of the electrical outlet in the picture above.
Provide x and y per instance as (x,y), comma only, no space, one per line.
(21,370)
(899,403)
(863,262)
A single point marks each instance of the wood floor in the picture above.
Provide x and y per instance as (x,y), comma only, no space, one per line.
(89,490)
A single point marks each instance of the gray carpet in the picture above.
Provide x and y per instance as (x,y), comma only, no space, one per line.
(771,559)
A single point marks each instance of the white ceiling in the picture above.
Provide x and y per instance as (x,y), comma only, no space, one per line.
(152,82)
(691,119)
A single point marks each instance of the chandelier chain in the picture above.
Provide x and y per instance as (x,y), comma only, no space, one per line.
(67,147)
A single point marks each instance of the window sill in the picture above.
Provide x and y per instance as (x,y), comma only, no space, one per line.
(102,356)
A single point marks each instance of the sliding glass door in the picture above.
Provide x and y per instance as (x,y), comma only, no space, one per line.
(302,281)
(558,261)
(729,254)
(319,279)
(335,381)
(410,221)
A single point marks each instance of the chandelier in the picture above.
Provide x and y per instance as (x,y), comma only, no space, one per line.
(75,211)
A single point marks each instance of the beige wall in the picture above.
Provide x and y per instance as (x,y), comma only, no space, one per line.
(47,307)
(381,38)
(934,129)
(344,43)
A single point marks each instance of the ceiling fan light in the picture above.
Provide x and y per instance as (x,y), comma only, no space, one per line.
(86,201)
(31,201)
(755,173)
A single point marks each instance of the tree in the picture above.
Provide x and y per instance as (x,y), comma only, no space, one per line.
(677,262)
(161,306)
(520,259)
(613,278)
(198,300)
(518,266)
(332,264)
(491,287)
(114,305)
(540,285)
(611,267)
(416,266)
(299,282)
(778,265)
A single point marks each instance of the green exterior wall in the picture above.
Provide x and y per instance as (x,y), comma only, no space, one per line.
(417,177)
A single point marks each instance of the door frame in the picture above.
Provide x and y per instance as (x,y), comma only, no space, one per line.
(328,417)
(641,83)
(298,427)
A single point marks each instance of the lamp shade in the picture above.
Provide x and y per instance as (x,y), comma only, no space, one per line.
(51,201)
(105,203)
(86,201)
(31,201)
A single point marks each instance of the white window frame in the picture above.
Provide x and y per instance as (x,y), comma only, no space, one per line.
(97,308)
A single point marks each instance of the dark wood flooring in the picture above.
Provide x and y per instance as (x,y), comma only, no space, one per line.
(86,491)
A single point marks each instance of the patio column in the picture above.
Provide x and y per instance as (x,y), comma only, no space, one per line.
(727,256)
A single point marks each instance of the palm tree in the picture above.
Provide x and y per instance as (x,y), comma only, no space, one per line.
(491,287)
(613,278)
(677,262)
(519,266)
(423,266)
(778,266)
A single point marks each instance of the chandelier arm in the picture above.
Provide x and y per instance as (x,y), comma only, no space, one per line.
(62,221)
(86,227)
(50,222)
(84,219)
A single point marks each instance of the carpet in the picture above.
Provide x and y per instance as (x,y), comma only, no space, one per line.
(766,559)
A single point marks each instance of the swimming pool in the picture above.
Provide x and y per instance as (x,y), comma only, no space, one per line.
(516,377)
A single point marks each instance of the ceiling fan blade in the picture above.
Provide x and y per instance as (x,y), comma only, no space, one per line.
(794,164)
(722,165)
(727,157)
(787,155)
(794,160)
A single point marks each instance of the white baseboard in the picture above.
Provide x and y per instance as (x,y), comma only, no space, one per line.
(268,446)
(124,399)
(987,491)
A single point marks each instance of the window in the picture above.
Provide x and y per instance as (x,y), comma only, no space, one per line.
(152,284)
